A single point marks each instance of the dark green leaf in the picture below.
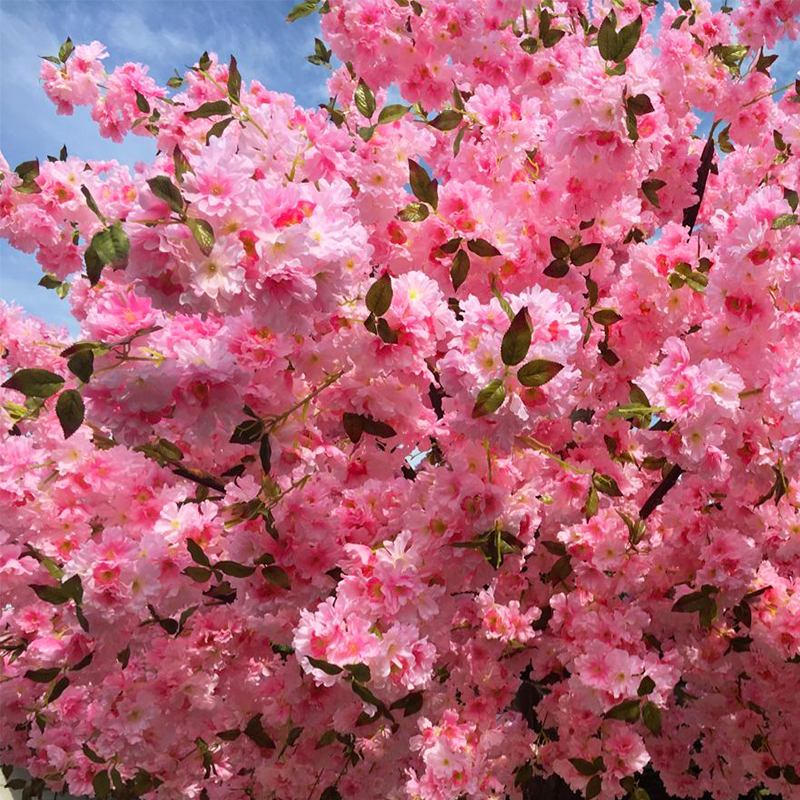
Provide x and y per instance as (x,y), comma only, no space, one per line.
(607,37)
(380,429)
(58,690)
(646,686)
(584,253)
(606,317)
(329,737)
(529,45)
(392,113)
(640,104)
(583,766)
(218,128)
(56,595)
(203,234)
(34,382)
(446,121)
(234,569)
(197,554)
(593,787)
(385,332)
(70,411)
(538,372)
(592,503)
(327,668)
(459,269)
(489,399)
(690,603)
(559,248)
(650,190)
(606,484)
(423,186)
(265,454)
(230,735)
(379,295)
(517,339)
(42,675)
(360,672)
(90,201)
(197,574)
(627,39)
(556,269)
(627,711)
(234,80)
(364,99)
(82,365)
(112,246)
(791,197)
(94,265)
(651,716)
(141,103)
(247,432)
(482,248)
(124,656)
(92,755)
(101,785)
(353,426)
(211,109)
(257,734)
(276,576)
(302,9)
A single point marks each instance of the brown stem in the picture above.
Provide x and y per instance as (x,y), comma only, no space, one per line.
(656,498)
(706,160)
(198,476)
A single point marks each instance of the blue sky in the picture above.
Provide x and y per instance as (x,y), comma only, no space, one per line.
(164,34)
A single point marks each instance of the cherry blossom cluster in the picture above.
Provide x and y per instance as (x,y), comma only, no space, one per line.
(432,449)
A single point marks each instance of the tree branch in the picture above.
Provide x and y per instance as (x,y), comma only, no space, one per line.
(657,497)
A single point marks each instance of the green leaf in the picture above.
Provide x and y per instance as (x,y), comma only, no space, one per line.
(52,59)
(584,253)
(640,104)
(592,503)
(70,411)
(141,103)
(606,484)
(230,735)
(627,39)
(360,672)
(34,382)
(330,793)
(364,99)
(606,317)
(651,716)
(789,772)
(447,121)
(529,45)
(517,339)
(197,553)
(234,569)
(302,10)
(627,711)
(583,766)
(101,784)
(247,432)
(414,212)
(90,201)
(489,399)
(423,186)
(646,686)
(650,190)
(65,51)
(203,234)
(326,667)
(538,372)
(559,248)
(379,295)
(504,304)
(556,269)
(593,787)
(459,269)
(164,189)
(234,80)
(784,221)
(392,113)
(197,574)
(791,197)
(276,576)
(182,165)
(94,265)
(690,603)
(457,141)
(92,755)
(482,248)
(112,246)
(353,426)
(218,128)
(211,109)
(607,37)
(256,733)
(42,675)
(58,690)
(82,365)
(265,454)
(375,428)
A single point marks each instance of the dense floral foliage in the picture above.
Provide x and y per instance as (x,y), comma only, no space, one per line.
(414,450)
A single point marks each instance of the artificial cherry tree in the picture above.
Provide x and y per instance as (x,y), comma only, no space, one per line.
(414,449)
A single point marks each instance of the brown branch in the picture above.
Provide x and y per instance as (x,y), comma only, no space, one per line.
(706,161)
(656,498)
(198,476)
